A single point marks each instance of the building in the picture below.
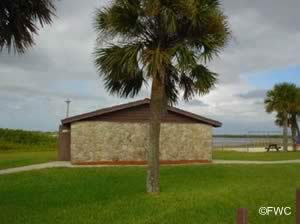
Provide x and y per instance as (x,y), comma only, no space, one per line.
(119,135)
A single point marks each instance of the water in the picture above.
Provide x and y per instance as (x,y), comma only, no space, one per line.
(221,141)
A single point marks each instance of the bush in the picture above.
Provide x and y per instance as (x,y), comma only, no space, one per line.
(25,140)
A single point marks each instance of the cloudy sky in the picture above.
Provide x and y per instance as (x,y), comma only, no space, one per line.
(264,51)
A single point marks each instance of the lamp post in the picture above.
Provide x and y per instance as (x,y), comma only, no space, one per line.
(68,107)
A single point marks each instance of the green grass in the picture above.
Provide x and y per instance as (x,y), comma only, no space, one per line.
(207,194)
(27,140)
(6,146)
(28,137)
(20,157)
(21,148)
(12,159)
(255,156)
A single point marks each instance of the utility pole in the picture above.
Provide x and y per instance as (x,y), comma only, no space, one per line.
(68,107)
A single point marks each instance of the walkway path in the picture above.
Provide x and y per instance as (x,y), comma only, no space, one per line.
(58,164)
(255,162)
(54,164)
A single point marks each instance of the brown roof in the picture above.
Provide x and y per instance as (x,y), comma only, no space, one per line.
(146,101)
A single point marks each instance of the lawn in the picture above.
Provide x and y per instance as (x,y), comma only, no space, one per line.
(11,137)
(10,159)
(16,158)
(206,194)
(21,148)
(255,156)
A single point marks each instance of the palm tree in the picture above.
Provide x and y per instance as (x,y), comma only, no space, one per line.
(166,42)
(295,129)
(292,123)
(18,20)
(284,99)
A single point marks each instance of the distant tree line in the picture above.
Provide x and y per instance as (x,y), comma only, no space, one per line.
(28,137)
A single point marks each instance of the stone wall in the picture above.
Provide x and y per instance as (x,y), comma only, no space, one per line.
(112,141)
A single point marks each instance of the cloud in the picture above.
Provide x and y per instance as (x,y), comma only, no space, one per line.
(34,86)
(254,94)
(197,102)
(27,91)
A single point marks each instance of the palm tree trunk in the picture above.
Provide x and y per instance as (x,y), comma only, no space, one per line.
(294,130)
(285,132)
(294,138)
(156,108)
(297,127)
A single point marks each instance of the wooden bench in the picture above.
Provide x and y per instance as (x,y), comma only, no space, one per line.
(273,146)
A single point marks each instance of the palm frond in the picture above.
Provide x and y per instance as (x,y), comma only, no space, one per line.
(185,57)
(118,59)
(119,66)
(157,60)
(19,22)
(126,86)
(204,79)
(188,86)
(173,36)
(171,82)
(121,19)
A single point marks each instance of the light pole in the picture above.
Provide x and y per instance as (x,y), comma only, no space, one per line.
(68,107)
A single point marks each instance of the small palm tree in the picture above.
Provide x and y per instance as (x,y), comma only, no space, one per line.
(166,42)
(295,129)
(292,123)
(284,99)
(18,22)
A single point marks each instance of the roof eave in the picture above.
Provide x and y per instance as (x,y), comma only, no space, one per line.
(196,117)
(104,111)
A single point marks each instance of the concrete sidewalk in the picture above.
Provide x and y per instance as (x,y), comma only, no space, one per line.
(61,164)
(54,164)
(255,162)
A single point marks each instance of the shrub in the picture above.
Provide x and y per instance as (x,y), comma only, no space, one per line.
(25,140)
